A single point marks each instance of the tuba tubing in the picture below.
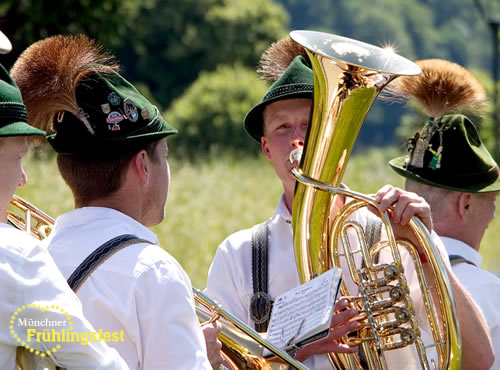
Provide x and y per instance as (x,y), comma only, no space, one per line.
(348,76)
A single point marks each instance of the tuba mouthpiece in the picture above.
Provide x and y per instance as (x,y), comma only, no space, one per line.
(295,156)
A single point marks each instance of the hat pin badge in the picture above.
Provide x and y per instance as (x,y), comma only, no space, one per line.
(130,110)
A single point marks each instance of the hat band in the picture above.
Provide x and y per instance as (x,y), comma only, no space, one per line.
(474,180)
(155,125)
(12,112)
(287,89)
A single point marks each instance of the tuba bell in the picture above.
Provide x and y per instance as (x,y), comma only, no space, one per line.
(242,347)
(395,315)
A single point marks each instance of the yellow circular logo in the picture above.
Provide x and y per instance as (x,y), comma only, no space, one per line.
(29,327)
(35,326)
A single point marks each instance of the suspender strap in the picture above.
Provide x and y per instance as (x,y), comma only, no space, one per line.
(373,228)
(98,256)
(456,259)
(260,304)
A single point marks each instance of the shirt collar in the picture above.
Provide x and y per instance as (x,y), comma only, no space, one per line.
(458,247)
(282,210)
(104,217)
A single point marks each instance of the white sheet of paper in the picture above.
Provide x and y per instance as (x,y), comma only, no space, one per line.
(305,310)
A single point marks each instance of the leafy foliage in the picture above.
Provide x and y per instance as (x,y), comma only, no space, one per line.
(27,21)
(418,29)
(171,42)
(165,46)
(209,114)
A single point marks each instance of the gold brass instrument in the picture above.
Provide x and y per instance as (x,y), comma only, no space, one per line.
(24,216)
(243,347)
(348,76)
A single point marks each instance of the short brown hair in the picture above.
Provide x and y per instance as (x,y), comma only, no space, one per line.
(91,179)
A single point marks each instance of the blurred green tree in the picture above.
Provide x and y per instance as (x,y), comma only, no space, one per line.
(26,21)
(417,29)
(210,113)
(171,42)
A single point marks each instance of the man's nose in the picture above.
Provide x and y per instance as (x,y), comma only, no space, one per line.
(297,143)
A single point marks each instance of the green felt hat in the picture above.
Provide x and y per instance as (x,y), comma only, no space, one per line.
(295,82)
(13,113)
(113,118)
(448,153)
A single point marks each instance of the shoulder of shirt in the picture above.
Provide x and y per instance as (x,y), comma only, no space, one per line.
(137,259)
(152,254)
(237,240)
(17,241)
(244,236)
(468,271)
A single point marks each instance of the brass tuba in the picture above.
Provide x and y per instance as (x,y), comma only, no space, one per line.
(242,347)
(348,76)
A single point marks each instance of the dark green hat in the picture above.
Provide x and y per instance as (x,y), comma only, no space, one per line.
(13,114)
(113,118)
(448,153)
(295,82)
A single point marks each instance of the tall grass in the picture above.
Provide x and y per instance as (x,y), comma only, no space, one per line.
(209,200)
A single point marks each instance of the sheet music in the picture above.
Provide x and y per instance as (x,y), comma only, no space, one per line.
(305,310)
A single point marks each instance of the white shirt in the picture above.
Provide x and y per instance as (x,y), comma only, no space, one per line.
(141,289)
(230,275)
(30,276)
(482,285)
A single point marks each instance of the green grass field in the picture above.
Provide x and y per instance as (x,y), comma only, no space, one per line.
(210,200)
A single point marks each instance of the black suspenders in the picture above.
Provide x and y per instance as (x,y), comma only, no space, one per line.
(260,304)
(98,256)
(456,259)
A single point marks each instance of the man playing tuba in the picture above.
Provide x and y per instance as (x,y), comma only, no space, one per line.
(279,123)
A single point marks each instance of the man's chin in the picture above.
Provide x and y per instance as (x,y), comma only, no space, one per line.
(154,220)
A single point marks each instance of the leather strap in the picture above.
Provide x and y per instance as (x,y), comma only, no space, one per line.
(98,256)
(260,304)
(373,228)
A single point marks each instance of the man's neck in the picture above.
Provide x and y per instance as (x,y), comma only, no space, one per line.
(454,233)
(339,202)
(116,203)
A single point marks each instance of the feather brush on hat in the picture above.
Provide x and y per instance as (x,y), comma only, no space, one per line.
(442,88)
(278,57)
(49,71)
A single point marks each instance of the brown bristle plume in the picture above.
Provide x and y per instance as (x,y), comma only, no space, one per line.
(49,71)
(278,57)
(443,87)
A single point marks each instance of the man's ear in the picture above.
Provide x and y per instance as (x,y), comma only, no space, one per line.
(463,203)
(140,166)
(265,147)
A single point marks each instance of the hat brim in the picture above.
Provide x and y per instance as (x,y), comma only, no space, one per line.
(397,164)
(104,149)
(20,129)
(253,122)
